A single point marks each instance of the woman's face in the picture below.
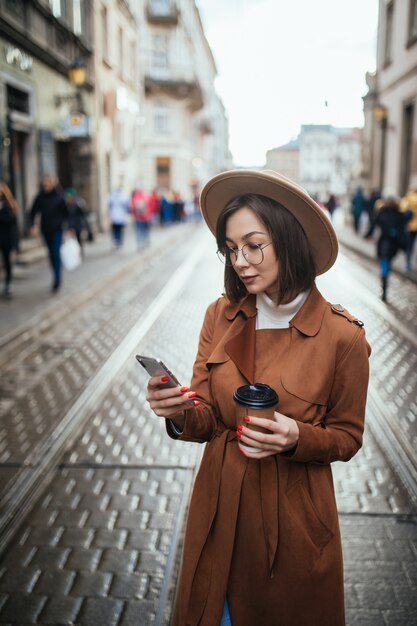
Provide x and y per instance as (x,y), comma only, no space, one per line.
(244,226)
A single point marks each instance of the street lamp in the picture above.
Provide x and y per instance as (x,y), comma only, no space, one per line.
(77,76)
(77,73)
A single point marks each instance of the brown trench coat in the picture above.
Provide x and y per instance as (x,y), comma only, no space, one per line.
(266,531)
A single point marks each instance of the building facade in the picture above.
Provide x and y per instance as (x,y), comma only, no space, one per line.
(184,138)
(118,98)
(285,160)
(44,118)
(145,112)
(390,133)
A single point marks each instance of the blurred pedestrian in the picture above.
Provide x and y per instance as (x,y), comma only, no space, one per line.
(331,204)
(53,210)
(262,543)
(118,206)
(177,207)
(154,206)
(9,234)
(374,196)
(391,224)
(357,207)
(77,215)
(166,208)
(140,207)
(408,205)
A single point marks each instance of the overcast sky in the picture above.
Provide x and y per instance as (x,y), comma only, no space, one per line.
(280,61)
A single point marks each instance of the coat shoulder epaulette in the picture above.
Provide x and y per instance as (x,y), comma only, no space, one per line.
(340,310)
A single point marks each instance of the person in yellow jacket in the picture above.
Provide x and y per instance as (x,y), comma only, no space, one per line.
(409,204)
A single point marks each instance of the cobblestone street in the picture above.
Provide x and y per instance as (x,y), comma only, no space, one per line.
(94,493)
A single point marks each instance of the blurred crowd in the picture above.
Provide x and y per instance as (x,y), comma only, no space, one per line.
(62,218)
(394,219)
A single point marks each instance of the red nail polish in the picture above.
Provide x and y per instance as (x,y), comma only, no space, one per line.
(241,451)
(192,394)
(196,403)
(240,427)
(184,389)
(246,418)
(164,379)
(238,434)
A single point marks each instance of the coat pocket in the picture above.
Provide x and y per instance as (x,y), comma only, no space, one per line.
(306,518)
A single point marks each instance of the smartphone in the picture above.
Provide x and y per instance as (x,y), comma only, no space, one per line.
(155,367)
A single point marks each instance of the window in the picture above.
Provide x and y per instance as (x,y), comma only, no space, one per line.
(104,34)
(79,17)
(120,59)
(412,34)
(56,7)
(161,118)
(160,7)
(389,19)
(160,52)
(163,172)
(17,100)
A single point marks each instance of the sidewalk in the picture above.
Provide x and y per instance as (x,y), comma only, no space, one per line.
(32,300)
(367,247)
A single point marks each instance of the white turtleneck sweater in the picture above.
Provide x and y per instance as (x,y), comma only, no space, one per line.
(269,315)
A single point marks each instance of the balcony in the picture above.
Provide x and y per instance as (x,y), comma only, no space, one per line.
(162,13)
(175,82)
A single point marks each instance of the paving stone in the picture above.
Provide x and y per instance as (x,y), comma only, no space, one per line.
(21,578)
(118,560)
(115,538)
(103,611)
(101,519)
(61,609)
(40,536)
(378,595)
(407,598)
(151,562)
(359,549)
(138,613)
(84,559)
(73,537)
(130,585)
(55,582)
(400,618)
(396,549)
(91,584)
(22,608)
(19,556)
(49,556)
(125,502)
(132,519)
(69,518)
(363,617)
(143,539)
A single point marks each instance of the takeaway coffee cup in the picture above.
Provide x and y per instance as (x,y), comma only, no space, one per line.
(259,400)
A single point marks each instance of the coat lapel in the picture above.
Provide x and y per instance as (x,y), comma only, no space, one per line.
(241,349)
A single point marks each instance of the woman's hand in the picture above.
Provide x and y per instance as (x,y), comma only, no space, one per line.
(169,402)
(283,435)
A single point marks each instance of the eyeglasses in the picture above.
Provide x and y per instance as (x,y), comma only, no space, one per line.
(252,252)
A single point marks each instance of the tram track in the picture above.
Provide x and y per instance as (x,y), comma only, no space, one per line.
(398,448)
(36,471)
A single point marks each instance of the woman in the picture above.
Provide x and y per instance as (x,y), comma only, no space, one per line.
(8,234)
(262,543)
(391,223)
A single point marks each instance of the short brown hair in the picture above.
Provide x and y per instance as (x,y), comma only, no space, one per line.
(296,266)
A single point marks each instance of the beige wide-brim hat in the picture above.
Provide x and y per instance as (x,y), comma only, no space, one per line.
(220,189)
